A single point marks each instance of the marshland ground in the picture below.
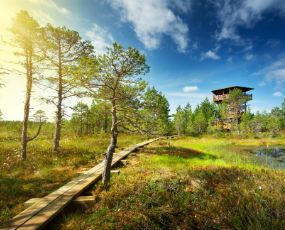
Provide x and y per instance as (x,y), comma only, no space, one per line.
(74,75)
(203,182)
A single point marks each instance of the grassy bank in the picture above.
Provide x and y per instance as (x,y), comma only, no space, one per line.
(189,183)
(45,170)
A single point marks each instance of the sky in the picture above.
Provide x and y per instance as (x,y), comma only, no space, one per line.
(191,46)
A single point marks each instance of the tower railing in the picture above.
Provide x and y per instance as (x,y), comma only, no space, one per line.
(222,97)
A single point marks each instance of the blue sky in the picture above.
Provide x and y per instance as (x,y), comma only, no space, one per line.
(191,46)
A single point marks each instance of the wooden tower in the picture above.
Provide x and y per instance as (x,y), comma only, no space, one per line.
(222,95)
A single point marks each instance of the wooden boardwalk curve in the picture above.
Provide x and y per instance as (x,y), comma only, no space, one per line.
(40,213)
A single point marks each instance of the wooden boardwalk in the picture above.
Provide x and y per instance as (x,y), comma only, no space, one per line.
(40,213)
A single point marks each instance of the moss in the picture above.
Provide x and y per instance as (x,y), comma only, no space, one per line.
(189,184)
(44,171)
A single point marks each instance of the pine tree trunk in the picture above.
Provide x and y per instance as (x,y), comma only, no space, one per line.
(111,148)
(81,122)
(105,118)
(57,135)
(24,140)
(58,126)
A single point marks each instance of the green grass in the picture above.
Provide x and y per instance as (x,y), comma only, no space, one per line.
(44,171)
(189,183)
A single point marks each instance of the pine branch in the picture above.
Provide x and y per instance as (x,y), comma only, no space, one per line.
(37,133)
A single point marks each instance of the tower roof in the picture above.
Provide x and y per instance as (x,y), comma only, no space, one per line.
(227,89)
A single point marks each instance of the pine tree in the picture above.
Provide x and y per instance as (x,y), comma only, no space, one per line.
(63,48)
(236,102)
(179,120)
(27,33)
(199,122)
(275,121)
(155,113)
(283,113)
(259,122)
(114,77)
(100,118)
(80,118)
(221,115)
(208,109)
(245,122)
(188,119)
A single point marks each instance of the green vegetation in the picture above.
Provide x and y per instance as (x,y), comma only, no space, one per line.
(155,113)
(67,66)
(203,119)
(62,48)
(119,97)
(44,170)
(210,182)
(189,183)
(115,77)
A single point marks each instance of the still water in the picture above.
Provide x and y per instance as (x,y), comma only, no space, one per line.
(271,156)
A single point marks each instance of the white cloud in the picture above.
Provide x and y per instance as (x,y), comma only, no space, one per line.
(273,43)
(278,94)
(51,4)
(248,47)
(151,19)
(210,55)
(182,5)
(249,57)
(274,73)
(190,92)
(244,13)
(190,89)
(100,38)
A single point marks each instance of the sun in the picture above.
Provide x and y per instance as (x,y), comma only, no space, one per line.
(8,10)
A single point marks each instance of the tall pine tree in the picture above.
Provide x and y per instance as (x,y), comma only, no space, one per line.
(27,33)
(63,48)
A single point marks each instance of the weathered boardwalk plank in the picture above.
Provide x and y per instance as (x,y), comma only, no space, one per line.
(41,212)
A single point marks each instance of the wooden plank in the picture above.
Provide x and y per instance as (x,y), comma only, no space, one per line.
(77,200)
(42,211)
(31,201)
(84,200)
(124,162)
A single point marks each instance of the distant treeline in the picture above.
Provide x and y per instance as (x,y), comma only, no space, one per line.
(155,119)
(152,118)
(203,119)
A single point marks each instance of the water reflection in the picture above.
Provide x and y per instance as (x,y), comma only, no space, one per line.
(272,152)
(272,156)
